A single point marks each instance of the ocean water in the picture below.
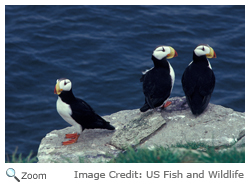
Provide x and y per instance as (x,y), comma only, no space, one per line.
(103,50)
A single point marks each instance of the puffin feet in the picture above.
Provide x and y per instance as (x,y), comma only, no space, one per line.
(74,137)
(70,136)
(166,104)
(163,106)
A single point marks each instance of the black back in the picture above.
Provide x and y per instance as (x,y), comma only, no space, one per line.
(198,83)
(83,114)
(156,84)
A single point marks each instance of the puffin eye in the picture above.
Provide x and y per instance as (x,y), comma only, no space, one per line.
(203,48)
(65,83)
(163,50)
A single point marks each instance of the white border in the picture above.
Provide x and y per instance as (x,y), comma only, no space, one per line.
(65,172)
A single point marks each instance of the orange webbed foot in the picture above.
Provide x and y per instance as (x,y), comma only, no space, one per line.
(71,136)
(167,104)
(74,138)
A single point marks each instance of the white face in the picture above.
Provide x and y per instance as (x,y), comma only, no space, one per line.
(161,52)
(64,84)
(202,50)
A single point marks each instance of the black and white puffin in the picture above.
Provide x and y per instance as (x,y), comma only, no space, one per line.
(198,79)
(76,111)
(158,81)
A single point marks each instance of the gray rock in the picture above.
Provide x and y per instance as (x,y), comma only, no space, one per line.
(137,129)
(217,126)
(92,146)
(239,146)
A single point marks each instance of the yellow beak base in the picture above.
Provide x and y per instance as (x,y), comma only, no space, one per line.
(57,89)
(211,54)
(172,53)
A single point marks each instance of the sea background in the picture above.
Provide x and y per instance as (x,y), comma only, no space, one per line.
(103,50)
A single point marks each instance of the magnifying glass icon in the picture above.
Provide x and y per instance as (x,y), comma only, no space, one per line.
(11,172)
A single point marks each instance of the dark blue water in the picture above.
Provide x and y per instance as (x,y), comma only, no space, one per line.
(102,50)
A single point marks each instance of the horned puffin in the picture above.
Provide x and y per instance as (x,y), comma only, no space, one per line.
(198,79)
(76,111)
(158,81)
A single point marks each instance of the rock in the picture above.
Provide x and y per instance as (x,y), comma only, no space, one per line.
(217,126)
(139,128)
(239,146)
(91,145)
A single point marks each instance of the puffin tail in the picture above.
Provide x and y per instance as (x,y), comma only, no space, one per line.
(144,108)
(103,124)
(147,105)
(109,127)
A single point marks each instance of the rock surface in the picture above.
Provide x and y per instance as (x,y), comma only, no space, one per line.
(137,129)
(217,126)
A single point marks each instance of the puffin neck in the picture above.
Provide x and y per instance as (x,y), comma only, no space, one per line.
(67,96)
(200,59)
(160,63)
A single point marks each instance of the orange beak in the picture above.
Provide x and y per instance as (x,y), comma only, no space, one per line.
(211,54)
(57,89)
(215,55)
(172,53)
(175,54)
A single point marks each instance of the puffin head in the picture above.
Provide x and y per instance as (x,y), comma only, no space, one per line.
(164,52)
(204,50)
(62,85)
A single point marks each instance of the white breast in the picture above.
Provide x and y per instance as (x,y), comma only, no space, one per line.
(65,112)
(209,65)
(172,74)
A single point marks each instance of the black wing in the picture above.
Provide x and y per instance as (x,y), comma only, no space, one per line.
(203,82)
(83,114)
(156,87)
(198,88)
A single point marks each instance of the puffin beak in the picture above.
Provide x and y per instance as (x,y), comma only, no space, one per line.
(57,89)
(211,54)
(172,53)
(175,54)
